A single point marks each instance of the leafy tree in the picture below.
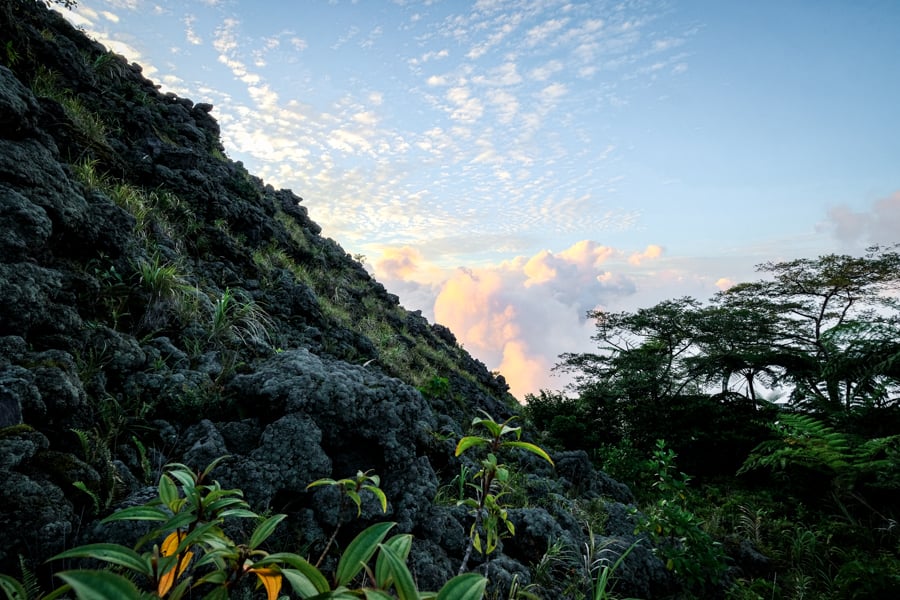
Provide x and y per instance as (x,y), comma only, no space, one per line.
(817,308)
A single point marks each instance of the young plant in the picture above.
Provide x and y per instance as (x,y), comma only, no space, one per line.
(489,484)
(687,550)
(197,559)
(351,488)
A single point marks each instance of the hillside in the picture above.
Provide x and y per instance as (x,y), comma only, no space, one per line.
(161,304)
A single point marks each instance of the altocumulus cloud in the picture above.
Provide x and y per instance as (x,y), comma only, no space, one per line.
(519,315)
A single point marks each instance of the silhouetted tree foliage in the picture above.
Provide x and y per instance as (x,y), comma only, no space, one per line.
(822,335)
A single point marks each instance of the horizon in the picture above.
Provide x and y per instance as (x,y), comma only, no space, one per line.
(507,166)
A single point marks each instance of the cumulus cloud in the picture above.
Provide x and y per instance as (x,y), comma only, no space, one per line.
(878,224)
(724,283)
(519,315)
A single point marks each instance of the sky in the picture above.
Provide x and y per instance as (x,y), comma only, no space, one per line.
(506,166)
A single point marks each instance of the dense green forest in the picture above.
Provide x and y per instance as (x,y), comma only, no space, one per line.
(767,417)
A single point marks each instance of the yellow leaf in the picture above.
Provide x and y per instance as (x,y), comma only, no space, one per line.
(271,579)
(169,547)
(170,544)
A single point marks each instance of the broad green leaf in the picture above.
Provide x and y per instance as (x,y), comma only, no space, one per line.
(215,508)
(219,593)
(111,553)
(467,442)
(211,466)
(301,565)
(14,590)
(339,593)
(214,577)
(403,579)
(491,425)
(399,544)
(137,513)
(240,513)
(182,519)
(264,530)
(373,594)
(359,551)
(60,592)
(168,492)
(186,479)
(323,481)
(507,429)
(356,500)
(468,586)
(378,494)
(300,583)
(100,585)
(530,448)
(178,592)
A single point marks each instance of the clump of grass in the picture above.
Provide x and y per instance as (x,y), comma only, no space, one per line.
(86,173)
(46,84)
(238,318)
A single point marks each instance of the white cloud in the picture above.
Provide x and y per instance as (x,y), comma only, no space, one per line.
(540,33)
(466,109)
(189,31)
(545,71)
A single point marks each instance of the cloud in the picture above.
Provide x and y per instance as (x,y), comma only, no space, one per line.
(724,283)
(518,315)
(651,252)
(466,108)
(876,225)
(189,32)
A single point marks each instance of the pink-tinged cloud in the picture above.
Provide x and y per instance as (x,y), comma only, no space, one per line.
(517,316)
(877,225)
(651,252)
(399,263)
(723,283)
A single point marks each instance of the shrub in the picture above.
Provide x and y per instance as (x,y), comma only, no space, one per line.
(188,553)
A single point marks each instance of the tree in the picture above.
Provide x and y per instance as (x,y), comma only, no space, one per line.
(822,332)
(819,309)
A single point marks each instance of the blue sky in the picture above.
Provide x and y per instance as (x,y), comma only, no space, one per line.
(506,165)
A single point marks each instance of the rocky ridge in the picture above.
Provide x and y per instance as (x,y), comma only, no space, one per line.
(160,303)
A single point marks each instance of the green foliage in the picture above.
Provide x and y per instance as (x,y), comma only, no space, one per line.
(490,483)
(351,488)
(681,542)
(802,441)
(436,387)
(238,318)
(195,556)
(11,56)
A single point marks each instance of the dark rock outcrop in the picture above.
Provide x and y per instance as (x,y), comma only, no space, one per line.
(160,304)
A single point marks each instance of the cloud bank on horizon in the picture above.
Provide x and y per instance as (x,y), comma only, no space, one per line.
(508,165)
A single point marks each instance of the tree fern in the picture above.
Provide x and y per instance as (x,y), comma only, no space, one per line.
(803,441)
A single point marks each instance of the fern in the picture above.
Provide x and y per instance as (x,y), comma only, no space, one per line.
(30,583)
(803,442)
